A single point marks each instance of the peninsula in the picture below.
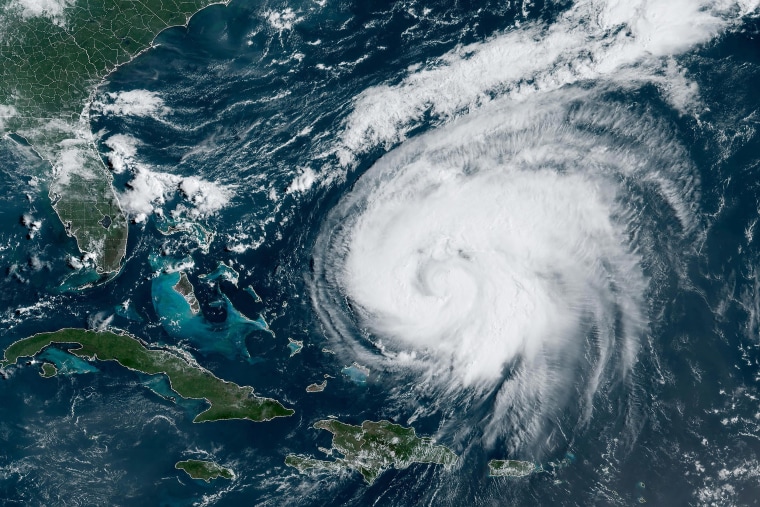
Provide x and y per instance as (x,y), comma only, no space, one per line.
(55,55)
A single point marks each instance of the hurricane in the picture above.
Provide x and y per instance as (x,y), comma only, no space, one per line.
(512,260)
(509,253)
(409,252)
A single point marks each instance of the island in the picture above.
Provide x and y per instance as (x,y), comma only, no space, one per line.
(356,372)
(204,470)
(188,379)
(48,370)
(510,468)
(187,291)
(295,346)
(316,388)
(54,57)
(372,448)
(171,225)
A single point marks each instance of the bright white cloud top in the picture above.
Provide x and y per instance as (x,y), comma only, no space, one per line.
(624,41)
(503,255)
(509,257)
(132,103)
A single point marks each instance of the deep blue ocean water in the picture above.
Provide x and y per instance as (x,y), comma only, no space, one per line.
(258,92)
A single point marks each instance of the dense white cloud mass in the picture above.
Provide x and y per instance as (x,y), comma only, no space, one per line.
(123,151)
(282,20)
(51,9)
(504,251)
(623,41)
(6,113)
(149,190)
(206,197)
(503,256)
(303,181)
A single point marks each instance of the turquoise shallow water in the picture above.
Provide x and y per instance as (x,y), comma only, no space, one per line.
(177,318)
(257,94)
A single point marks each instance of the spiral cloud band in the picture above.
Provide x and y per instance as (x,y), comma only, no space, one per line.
(505,251)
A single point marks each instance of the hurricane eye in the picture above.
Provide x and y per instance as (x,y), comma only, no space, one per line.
(523,277)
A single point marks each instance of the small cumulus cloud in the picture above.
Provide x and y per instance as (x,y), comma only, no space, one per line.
(282,20)
(132,103)
(303,181)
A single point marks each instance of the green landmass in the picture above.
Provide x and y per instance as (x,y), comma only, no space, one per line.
(87,202)
(189,380)
(187,290)
(52,59)
(50,63)
(372,448)
(510,468)
(48,370)
(306,464)
(204,470)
